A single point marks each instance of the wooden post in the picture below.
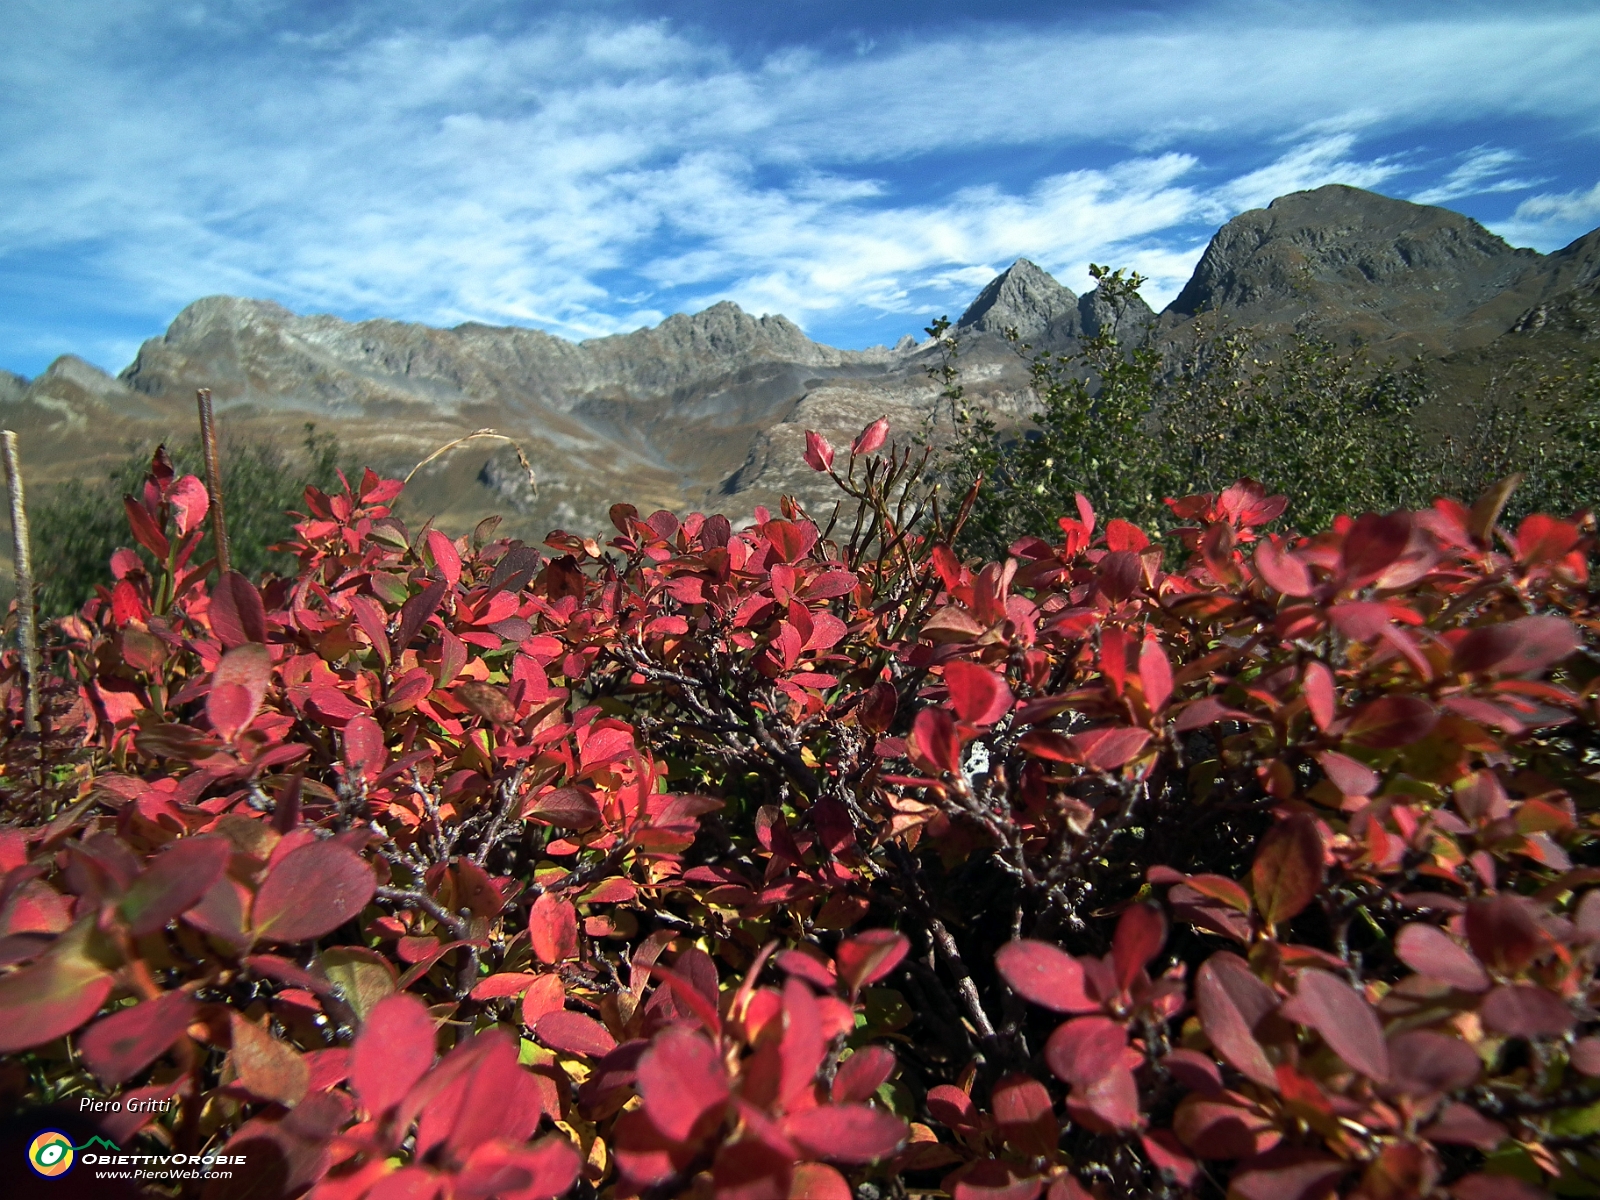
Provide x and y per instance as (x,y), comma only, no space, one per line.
(22,560)
(208,443)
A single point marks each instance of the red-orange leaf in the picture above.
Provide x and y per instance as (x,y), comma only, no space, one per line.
(311,891)
(394,1050)
(1046,975)
(120,1046)
(847,1133)
(553,928)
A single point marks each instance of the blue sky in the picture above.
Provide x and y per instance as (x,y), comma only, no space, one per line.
(860,167)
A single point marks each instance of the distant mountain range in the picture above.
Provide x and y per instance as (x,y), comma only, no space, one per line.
(709,411)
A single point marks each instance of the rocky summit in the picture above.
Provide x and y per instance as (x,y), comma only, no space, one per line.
(709,411)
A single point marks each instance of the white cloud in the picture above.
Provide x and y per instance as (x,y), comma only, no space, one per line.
(1551,221)
(586,173)
(1482,171)
(1319,160)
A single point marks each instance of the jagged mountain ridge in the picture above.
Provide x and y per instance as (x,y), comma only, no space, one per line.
(708,410)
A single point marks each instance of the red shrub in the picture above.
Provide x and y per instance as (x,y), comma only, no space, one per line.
(452,868)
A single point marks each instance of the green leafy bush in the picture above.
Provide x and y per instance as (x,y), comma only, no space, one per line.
(1128,427)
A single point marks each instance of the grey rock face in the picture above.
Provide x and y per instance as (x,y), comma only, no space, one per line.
(1025,298)
(1351,264)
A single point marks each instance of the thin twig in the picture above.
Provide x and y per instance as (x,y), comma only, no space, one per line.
(208,445)
(522,457)
(22,562)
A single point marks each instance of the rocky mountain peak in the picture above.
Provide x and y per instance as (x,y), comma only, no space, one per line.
(1024,297)
(1400,266)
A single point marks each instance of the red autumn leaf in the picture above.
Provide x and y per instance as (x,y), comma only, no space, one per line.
(1351,777)
(1046,975)
(118,1047)
(1281,570)
(953,1107)
(174,882)
(934,744)
(1373,544)
(818,1181)
(1505,933)
(574,1033)
(311,891)
(871,438)
(1025,1115)
(1042,743)
(995,1180)
(1423,1062)
(868,957)
(1391,721)
(238,686)
(553,928)
(682,1083)
(1430,951)
(374,622)
(1155,674)
(145,531)
(1526,1010)
(414,613)
(952,624)
(542,1171)
(445,556)
(565,808)
(1110,1104)
(497,1099)
(1141,932)
(1231,1003)
(1085,1049)
(1585,1056)
(1345,1020)
(791,541)
(1459,1125)
(501,985)
(1321,695)
(1516,647)
(980,696)
(1207,711)
(847,1133)
(364,751)
(803,1046)
(1288,869)
(546,994)
(1110,748)
(394,1049)
(1287,1173)
(1224,1126)
(237,613)
(189,501)
(863,1073)
(1124,535)
(797,962)
(819,454)
(1167,1155)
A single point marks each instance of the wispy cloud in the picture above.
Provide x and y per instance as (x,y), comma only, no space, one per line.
(588,173)
(1482,171)
(1553,219)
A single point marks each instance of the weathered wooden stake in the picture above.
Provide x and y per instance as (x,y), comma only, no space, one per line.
(22,560)
(208,441)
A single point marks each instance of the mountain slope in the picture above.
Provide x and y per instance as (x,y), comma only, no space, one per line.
(709,410)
